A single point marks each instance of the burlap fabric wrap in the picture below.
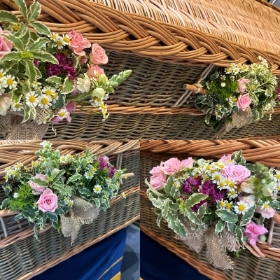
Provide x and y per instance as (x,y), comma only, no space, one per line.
(216,245)
(81,213)
(239,119)
(12,128)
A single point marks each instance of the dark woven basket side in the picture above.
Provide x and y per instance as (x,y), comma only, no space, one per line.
(23,259)
(131,162)
(157,126)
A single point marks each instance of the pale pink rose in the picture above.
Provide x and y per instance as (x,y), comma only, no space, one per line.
(158,181)
(94,70)
(172,166)
(242,84)
(78,43)
(247,187)
(5,45)
(237,173)
(243,102)
(225,158)
(253,231)
(37,189)
(187,163)
(98,55)
(157,170)
(249,200)
(48,201)
(5,103)
(266,213)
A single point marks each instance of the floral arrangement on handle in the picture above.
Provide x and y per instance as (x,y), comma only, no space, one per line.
(64,190)
(214,202)
(43,75)
(238,88)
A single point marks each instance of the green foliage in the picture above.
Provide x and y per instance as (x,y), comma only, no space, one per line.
(93,179)
(224,91)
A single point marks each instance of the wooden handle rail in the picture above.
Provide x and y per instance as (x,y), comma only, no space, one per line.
(195,89)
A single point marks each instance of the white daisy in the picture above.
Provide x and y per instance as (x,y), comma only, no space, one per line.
(217,177)
(241,207)
(32,99)
(232,193)
(66,39)
(88,175)
(9,82)
(63,159)
(46,144)
(44,101)
(17,107)
(62,114)
(2,74)
(97,189)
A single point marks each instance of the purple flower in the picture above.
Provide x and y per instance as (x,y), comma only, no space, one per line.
(195,181)
(103,162)
(36,63)
(217,195)
(207,187)
(186,187)
(64,66)
(112,171)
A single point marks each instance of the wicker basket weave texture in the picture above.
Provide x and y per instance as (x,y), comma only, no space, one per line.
(24,257)
(259,150)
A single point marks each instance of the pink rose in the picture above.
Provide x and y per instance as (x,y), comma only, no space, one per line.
(237,173)
(5,45)
(187,163)
(158,181)
(157,170)
(243,102)
(5,103)
(36,188)
(94,70)
(172,166)
(98,55)
(253,231)
(48,201)
(266,213)
(225,158)
(242,84)
(78,43)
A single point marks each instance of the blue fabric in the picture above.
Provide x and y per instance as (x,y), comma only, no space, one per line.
(158,263)
(91,263)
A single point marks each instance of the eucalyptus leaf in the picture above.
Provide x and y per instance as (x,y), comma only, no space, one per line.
(10,57)
(219,226)
(194,199)
(22,7)
(192,217)
(8,17)
(227,216)
(44,57)
(35,10)
(17,42)
(39,44)
(52,216)
(68,86)
(30,70)
(169,184)
(41,28)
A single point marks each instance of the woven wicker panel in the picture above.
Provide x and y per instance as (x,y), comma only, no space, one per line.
(23,257)
(148,126)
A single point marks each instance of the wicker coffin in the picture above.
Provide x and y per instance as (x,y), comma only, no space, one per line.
(167,44)
(246,266)
(22,255)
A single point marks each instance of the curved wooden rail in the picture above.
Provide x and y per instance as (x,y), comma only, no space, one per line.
(255,150)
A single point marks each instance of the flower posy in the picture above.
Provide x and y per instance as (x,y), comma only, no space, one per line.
(237,88)
(224,194)
(46,190)
(44,70)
